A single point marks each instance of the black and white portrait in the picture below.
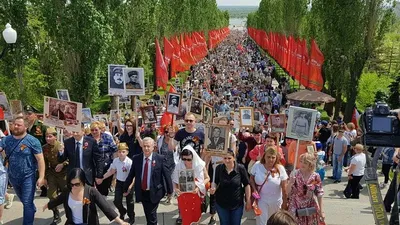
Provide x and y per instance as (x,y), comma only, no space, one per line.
(115,79)
(186,180)
(124,99)
(86,115)
(134,81)
(277,123)
(173,104)
(207,114)
(217,139)
(62,94)
(246,116)
(102,118)
(149,114)
(301,123)
(257,116)
(196,106)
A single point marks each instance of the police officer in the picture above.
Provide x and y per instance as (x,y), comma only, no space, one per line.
(56,172)
(38,130)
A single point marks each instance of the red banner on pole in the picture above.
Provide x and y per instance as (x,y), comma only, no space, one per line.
(316,81)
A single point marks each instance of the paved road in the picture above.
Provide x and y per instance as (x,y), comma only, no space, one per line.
(338,210)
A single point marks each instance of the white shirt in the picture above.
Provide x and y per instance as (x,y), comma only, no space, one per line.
(76,209)
(122,168)
(80,151)
(149,169)
(359,160)
(271,191)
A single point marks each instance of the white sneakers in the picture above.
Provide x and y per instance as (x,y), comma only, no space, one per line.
(9,202)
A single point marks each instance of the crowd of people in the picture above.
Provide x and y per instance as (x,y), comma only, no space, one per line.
(146,164)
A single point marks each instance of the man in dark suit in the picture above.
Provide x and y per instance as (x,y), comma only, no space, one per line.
(149,171)
(216,142)
(83,152)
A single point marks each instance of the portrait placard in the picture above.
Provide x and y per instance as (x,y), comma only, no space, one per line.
(196,106)
(113,116)
(277,123)
(246,117)
(62,114)
(173,103)
(207,114)
(134,81)
(116,79)
(101,118)
(301,123)
(15,106)
(186,181)
(149,114)
(126,113)
(86,115)
(63,94)
(5,106)
(221,120)
(217,139)
(258,117)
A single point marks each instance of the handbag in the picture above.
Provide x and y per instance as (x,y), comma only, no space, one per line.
(257,210)
(308,211)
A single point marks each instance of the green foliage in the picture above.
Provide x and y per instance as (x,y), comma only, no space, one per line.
(394,96)
(371,84)
(68,44)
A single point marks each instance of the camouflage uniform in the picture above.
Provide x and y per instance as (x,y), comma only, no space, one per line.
(38,130)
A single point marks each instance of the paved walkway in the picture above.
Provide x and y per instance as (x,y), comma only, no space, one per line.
(338,210)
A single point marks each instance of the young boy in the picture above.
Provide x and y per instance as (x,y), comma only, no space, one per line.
(121,167)
(320,169)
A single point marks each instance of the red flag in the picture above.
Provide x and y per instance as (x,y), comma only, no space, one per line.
(172,89)
(316,81)
(161,68)
(305,65)
(355,117)
(168,51)
(299,59)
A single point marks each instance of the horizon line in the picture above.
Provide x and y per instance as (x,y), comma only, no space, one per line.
(241,5)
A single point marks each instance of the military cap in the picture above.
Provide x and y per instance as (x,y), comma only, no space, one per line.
(51,130)
(123,146)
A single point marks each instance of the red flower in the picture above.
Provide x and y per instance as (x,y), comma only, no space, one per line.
(86,201)
(85,145)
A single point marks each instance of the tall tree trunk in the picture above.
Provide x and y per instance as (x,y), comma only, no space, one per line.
(338,103)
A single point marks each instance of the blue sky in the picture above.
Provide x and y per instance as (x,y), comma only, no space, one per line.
(239,2)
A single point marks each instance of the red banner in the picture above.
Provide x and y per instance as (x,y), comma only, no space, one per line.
(161,68)
(316,81)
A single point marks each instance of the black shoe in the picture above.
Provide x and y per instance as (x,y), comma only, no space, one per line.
(56,217)
(336,181)
(354,197)
(131,220)
(331,177)
(178,221)
(212,221)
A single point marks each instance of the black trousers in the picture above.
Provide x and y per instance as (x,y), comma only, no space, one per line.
(385,171)
(355,188)
(213,200)
(150,209)
(130,206)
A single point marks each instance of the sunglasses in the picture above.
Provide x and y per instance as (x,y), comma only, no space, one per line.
(186,159)
(228,158)
(189,121)
(75,185)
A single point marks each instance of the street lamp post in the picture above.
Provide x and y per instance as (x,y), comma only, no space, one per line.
(10,36)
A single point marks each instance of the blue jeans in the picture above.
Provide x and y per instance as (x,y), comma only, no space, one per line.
(230,217)
(337,167)
(25,190)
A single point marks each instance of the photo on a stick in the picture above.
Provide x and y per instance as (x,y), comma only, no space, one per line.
(246,117)
(173,103)
(134,81)
(63,94)
(62,114)
(301,123)
(277,123)
(217,139)
(196,106)
(116,79)
(149,114)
